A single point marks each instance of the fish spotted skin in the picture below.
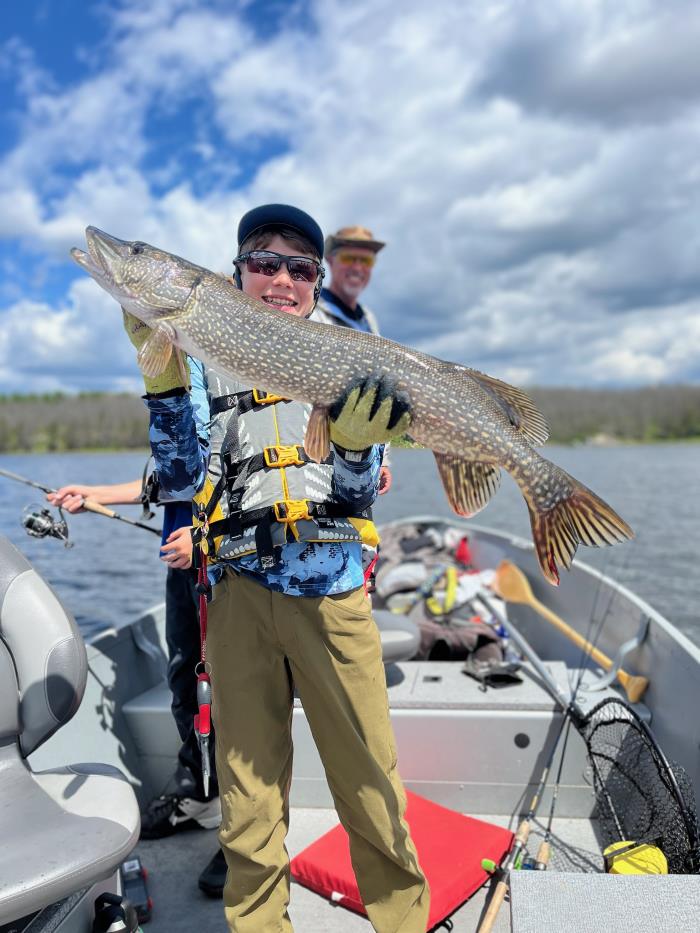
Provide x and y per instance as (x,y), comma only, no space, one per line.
(474,424)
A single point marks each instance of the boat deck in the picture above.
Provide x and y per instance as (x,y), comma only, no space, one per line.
(480,752)
(174,864)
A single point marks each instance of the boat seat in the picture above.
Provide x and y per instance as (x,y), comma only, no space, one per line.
(400,636)
(67,828)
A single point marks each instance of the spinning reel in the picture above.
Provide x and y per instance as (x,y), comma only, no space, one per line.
(39,522)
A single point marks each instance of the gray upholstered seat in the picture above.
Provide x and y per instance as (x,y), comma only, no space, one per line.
(400,636)
(65,829)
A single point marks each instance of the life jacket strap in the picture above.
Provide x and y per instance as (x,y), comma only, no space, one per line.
(285,455)
(323,513)
(267,398)
(288,511)
(244,401)
(273,457)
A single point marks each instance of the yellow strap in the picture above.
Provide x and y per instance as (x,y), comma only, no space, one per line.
(433,604)
(283,456)
(368,531)
(450,589)
(266,398)
(202,502)
(288,511)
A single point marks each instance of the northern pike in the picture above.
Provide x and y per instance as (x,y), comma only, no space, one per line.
(475,424)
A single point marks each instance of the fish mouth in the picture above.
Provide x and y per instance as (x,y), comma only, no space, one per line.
(104,253)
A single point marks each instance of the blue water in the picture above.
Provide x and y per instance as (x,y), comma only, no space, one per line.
(113,571)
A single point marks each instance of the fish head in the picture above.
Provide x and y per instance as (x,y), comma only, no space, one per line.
(149,282)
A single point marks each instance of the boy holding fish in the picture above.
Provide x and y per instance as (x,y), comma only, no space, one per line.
(288,608)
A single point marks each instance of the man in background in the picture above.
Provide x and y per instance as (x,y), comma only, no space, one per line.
(350,254)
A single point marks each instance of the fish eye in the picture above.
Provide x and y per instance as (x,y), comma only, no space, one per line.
(137,248)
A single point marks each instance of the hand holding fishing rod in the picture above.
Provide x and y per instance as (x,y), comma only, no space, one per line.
(88,504)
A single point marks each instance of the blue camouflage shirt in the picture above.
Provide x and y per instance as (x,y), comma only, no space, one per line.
(179,441)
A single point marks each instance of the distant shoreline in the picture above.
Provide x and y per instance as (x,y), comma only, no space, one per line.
(109,422)
(145,452)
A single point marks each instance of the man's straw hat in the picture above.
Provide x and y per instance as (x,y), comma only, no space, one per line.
(353,236)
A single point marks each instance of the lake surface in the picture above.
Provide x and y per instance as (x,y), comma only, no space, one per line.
(113,571)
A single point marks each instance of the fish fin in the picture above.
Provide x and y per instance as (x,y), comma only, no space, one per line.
(468,484)
(317,440)
(155,352)
(578,516)
(521,411)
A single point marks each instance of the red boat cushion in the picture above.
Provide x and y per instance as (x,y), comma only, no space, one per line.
(450,849)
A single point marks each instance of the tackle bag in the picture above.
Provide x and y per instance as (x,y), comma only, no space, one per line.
(450,849)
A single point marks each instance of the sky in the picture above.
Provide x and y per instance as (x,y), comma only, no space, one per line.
(532,165)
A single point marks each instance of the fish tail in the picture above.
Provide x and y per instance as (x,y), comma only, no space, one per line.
(563,514)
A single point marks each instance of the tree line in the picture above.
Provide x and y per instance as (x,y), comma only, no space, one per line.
(58,422)
(94,420)
(652,413)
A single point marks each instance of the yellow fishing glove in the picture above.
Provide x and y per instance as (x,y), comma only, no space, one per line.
(175,375)
(369,412)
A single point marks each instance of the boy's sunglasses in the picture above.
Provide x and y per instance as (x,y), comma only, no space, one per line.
(265,262)
(349,259)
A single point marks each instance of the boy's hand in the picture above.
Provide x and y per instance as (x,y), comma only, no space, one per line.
(369,412)
(177,550)
(70,498)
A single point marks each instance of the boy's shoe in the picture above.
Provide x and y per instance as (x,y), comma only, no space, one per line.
(213,878)
(170,813)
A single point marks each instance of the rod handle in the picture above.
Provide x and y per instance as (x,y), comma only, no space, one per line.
(543,854)
(494,906)
(91,506)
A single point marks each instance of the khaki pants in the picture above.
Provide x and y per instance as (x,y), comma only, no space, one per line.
(258,641)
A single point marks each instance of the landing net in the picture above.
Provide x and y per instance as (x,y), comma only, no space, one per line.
(641,797)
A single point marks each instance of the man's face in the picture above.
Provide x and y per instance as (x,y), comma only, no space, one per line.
(351,270)
(280,290)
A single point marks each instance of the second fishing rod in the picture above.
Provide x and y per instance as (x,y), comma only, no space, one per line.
(88,504)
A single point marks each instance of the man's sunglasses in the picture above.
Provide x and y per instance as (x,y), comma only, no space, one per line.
(349,259)
(265,262)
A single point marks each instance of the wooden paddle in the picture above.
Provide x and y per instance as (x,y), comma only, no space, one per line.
(511,584)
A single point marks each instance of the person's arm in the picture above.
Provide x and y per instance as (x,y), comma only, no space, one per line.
(180,458)
(180,462)
(200,403)
(356,476)
(72,496)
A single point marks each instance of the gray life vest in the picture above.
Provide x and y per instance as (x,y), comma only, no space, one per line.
(261,489)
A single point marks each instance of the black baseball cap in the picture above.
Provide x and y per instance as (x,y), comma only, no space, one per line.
(281,215)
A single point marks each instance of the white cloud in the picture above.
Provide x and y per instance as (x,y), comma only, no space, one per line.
(533,168)
(78,345)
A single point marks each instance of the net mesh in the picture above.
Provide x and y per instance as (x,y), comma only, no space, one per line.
(641,797)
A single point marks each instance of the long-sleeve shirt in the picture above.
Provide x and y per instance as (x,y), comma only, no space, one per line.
(179,438)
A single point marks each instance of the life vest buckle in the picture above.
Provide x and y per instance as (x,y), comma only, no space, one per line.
(266,398)
(283,456)
(288,511)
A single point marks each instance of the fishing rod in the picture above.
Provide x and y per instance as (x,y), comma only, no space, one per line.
(519,844)
(542,859)
(512,585)
(523,833)
(640,796)
(39,524)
